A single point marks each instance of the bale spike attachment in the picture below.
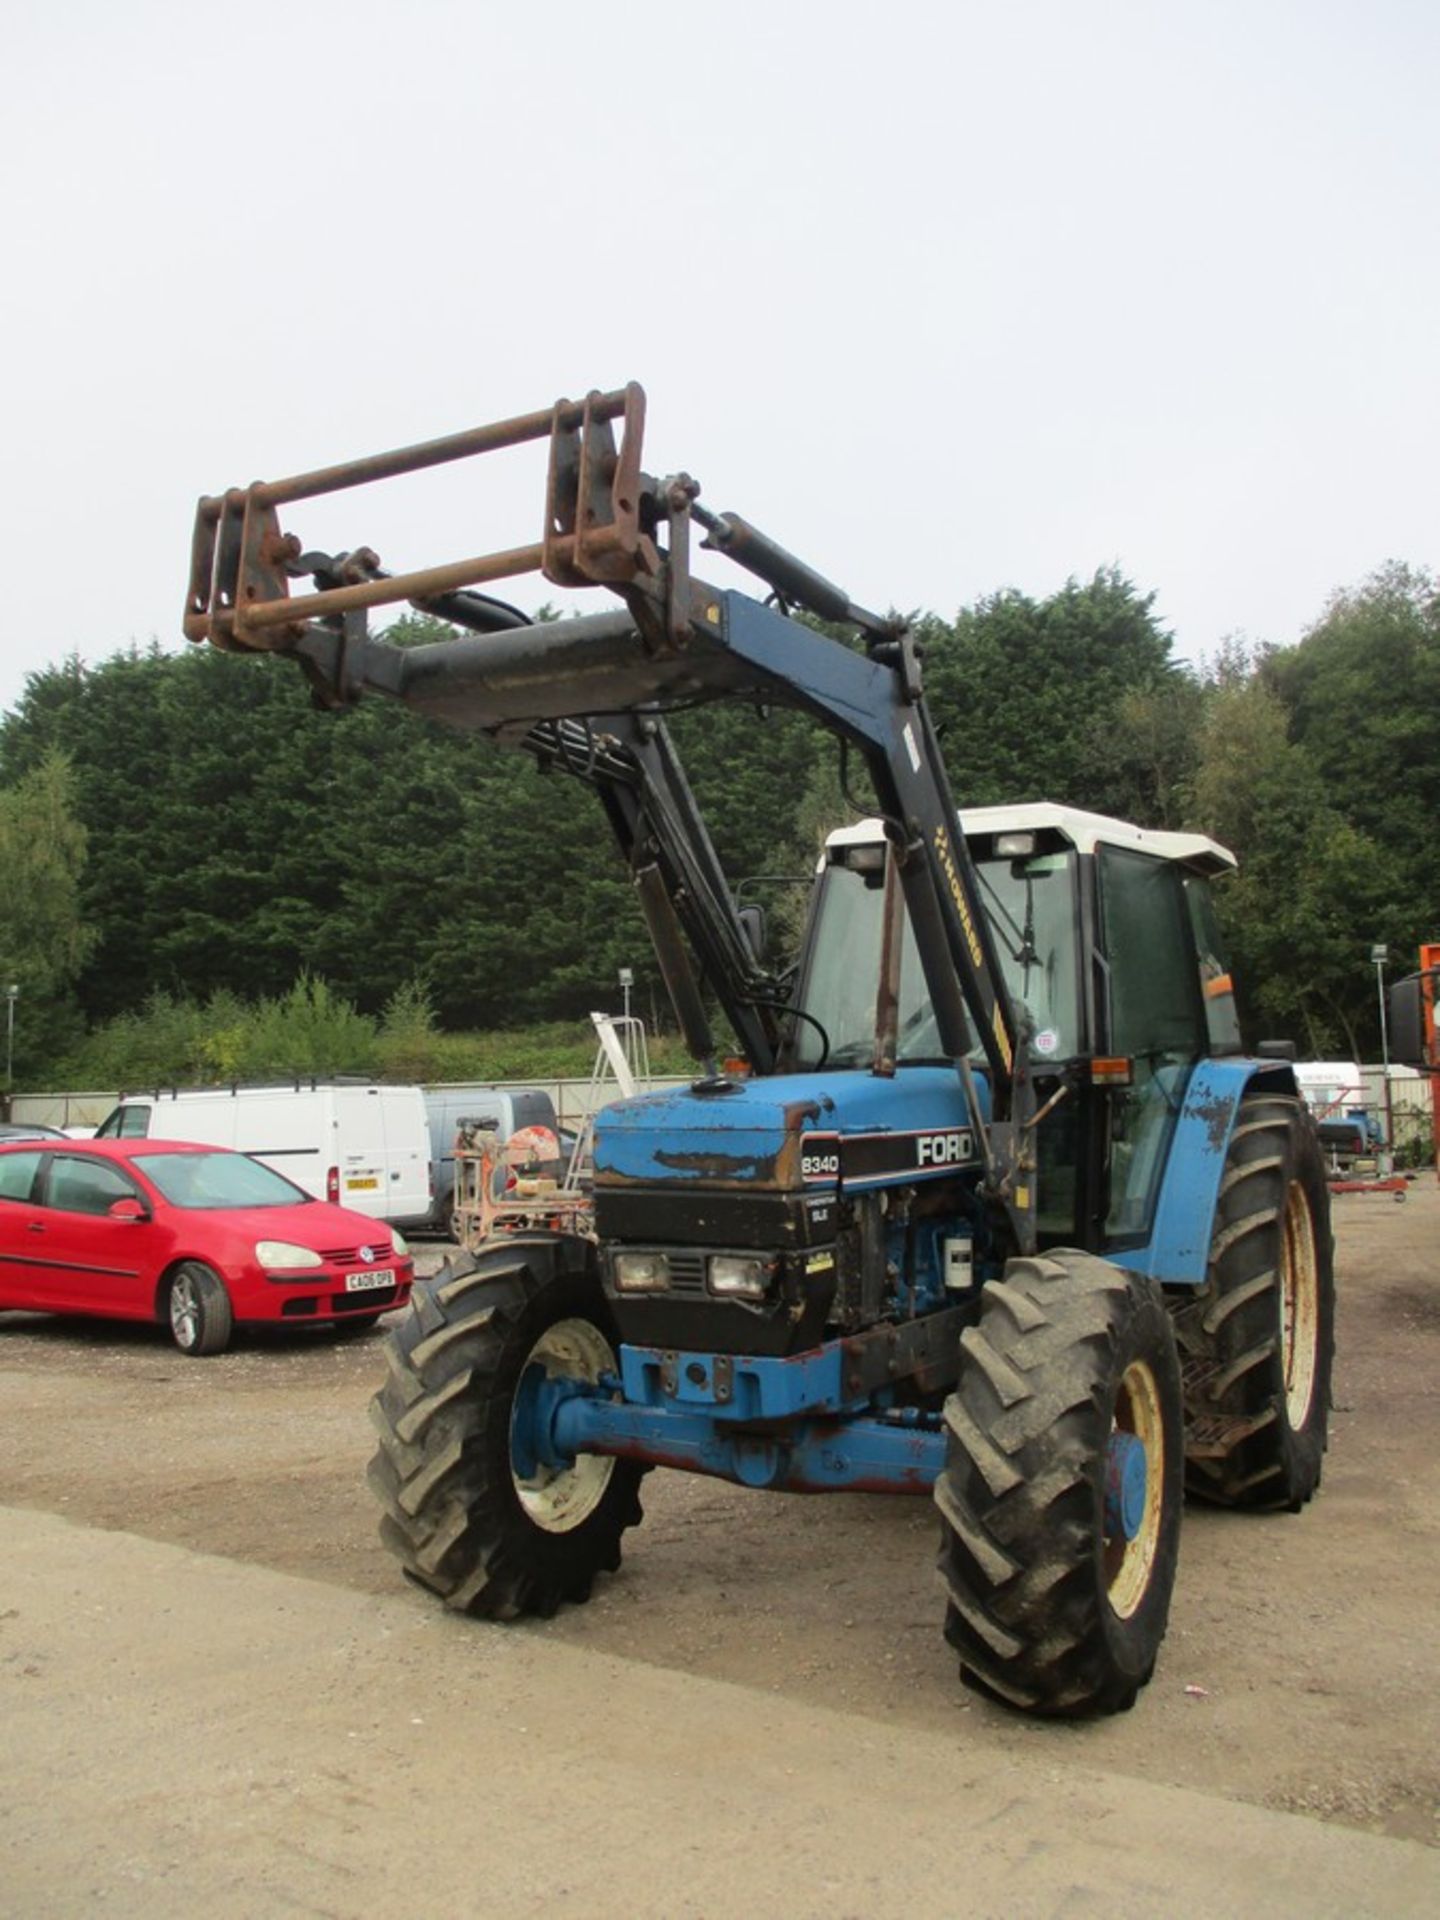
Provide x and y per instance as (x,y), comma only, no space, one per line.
(242,561)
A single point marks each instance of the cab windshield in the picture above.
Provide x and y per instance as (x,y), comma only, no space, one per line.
(1031,907)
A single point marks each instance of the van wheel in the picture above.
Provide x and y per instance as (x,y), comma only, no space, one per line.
(199,1311)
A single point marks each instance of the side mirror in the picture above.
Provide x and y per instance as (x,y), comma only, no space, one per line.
(127,1209)
(1406,1021)
(752,921)
(1275,1050)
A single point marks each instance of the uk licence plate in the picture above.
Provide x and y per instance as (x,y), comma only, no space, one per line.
(361,1282)
(368,1182)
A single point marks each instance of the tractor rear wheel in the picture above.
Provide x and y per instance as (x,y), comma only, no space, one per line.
(1061,1494)
(1258,1341)
(470,1511)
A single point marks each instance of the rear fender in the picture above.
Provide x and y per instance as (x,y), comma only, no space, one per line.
(1178,1249)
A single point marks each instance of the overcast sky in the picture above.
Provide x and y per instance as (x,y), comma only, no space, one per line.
(947,297)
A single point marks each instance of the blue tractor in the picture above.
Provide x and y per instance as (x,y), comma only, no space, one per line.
(997,1210)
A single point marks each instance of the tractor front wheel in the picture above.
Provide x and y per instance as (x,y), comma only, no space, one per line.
(1062,1488)
(473,1511)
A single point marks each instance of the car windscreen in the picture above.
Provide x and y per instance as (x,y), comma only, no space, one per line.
(217,1180)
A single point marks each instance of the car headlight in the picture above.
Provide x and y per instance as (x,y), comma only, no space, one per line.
(398,1243)
(282,1253)
(745,1276)
(641,1273)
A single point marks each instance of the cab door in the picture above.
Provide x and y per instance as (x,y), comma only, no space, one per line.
(1156,1023)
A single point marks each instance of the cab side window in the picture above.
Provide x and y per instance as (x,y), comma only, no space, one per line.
(1222,1020)
(17,1175)
(84,1186)
(1155,1002)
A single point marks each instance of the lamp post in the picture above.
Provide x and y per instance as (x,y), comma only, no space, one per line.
(632,1051)
(1380,953)
(12,994)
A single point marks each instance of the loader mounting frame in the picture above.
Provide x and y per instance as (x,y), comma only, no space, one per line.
(587,695)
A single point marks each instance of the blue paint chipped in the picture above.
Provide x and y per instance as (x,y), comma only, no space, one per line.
(751,1138)
(1178,1249)
(759,1388)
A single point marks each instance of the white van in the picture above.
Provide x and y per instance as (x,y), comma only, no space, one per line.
(503,1109)
(362,1146)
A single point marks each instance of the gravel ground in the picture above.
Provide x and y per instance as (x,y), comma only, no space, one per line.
(1302,1668)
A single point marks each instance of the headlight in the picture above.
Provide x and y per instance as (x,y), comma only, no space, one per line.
(397,1239)
(280,1253)
(642,1273)
(739,1274)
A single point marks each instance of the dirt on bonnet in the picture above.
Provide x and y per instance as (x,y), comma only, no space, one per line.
(1302,1667)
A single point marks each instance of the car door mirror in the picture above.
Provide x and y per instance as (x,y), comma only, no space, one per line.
(1276,1050)
(127,1209)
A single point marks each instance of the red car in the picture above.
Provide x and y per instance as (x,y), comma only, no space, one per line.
(195,1238)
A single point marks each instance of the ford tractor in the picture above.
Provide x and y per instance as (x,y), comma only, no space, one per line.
(993,1207)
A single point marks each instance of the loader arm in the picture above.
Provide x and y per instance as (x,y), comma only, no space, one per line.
(587,696)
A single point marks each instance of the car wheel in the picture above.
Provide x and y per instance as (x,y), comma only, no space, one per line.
(200,1315)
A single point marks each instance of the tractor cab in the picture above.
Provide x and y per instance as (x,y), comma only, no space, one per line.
(1109,945)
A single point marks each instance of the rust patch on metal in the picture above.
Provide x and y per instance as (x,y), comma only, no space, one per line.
(795,1117)
(1215,1115)
(722,1169)
(239,594)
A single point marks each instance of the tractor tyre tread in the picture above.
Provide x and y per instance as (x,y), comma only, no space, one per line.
(1244,1451)
(442,1471)
(1020,1495)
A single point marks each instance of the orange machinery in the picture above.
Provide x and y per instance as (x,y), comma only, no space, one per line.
(1429,990)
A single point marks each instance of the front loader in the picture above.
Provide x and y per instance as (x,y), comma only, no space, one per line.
(997,1209)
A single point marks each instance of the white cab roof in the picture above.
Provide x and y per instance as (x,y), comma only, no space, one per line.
(1084,831)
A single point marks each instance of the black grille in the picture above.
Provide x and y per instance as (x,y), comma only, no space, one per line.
(366,1302)
(371,1300)
(687,1270)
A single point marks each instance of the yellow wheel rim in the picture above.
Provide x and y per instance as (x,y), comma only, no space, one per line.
(559,1499)
(1129,1562)
(1299,1306)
